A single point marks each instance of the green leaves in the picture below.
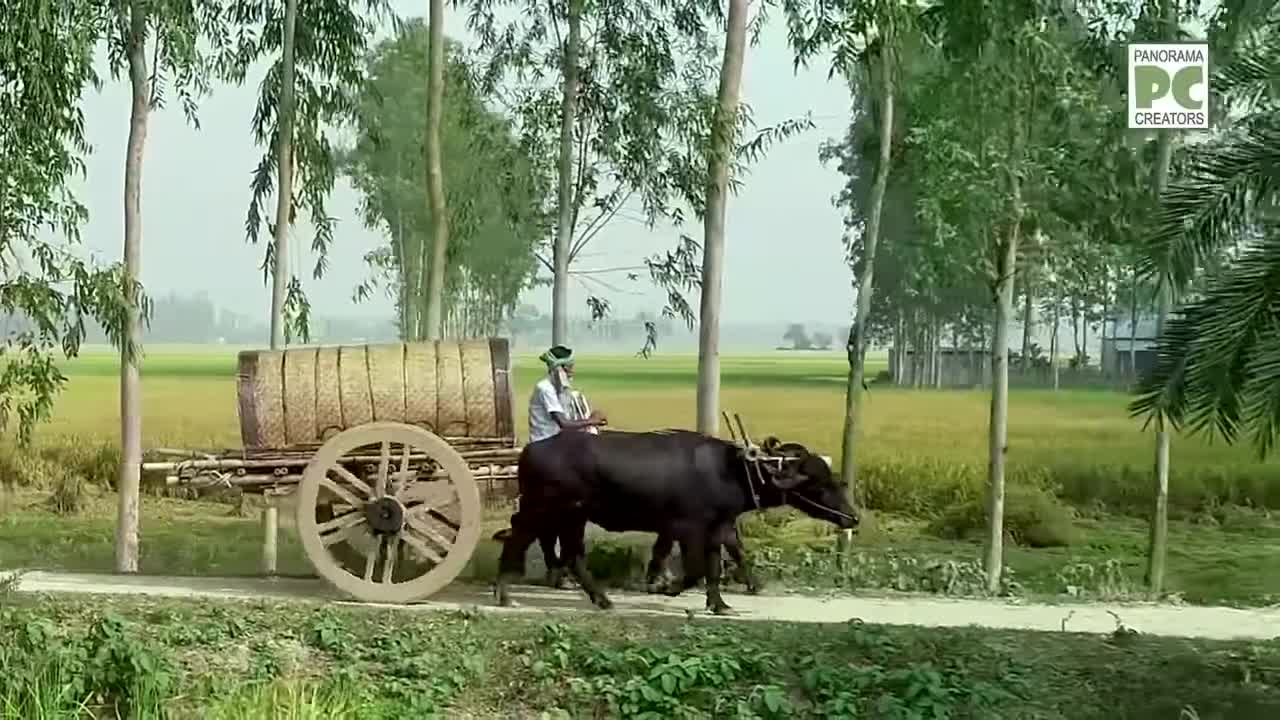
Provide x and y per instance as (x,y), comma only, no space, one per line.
(48,291)
(495,192)
(330,42)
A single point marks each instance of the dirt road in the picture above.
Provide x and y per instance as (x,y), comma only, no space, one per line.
(1170,620)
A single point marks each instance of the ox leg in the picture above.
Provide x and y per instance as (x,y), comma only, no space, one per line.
(742,570)
(715,601)
(693,553)
(511,562)
(573,551)
(555,563)
(658,561)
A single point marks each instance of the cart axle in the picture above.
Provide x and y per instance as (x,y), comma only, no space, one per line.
(385,515)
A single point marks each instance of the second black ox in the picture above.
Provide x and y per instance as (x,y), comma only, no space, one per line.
(681,484)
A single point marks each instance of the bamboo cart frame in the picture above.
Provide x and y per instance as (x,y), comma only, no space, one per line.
(386,510)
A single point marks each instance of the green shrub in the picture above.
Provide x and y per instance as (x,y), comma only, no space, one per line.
(1033,517)
(616,563)
(927,488)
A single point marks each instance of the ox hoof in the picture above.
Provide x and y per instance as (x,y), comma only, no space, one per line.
(604,603)
(556,579)
(719,608)
(753,589)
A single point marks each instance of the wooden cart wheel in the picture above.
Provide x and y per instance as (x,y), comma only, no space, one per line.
(388,512)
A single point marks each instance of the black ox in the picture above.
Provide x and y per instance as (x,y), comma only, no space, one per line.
(682,485)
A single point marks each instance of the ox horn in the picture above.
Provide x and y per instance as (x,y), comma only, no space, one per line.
(771,445)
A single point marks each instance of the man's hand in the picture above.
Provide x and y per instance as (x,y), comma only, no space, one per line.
(597,418)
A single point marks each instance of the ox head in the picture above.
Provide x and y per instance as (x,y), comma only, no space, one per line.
(807,484)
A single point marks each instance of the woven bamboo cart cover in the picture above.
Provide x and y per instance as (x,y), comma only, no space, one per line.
(305,395)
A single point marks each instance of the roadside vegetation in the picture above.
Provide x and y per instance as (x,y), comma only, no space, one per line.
(1075,509)
(148,660)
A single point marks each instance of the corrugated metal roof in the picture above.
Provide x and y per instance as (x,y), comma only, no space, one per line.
(1146,328)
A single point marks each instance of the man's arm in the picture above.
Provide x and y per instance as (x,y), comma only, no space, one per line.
(551,400)
(567,424)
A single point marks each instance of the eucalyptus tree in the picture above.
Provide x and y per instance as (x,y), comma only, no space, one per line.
(1009,81)
(171,33)
(46,58)
(316,50)
(864,38)
(494,198)
(640,122)
(724,125)
(435,170)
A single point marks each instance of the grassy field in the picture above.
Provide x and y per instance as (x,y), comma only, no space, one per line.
(1078,494)
(149,660)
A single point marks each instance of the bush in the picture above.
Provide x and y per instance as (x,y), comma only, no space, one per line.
(1033,516)
(927,488)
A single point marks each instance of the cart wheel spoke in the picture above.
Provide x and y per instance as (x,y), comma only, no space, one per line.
(423,527)
(342,528)
(389,564)
(350,479)
(371,558)
(402,477)
(384,467)
(437,513)
(397,533)
(418,544)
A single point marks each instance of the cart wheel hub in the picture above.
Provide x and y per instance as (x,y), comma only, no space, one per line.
(385,515)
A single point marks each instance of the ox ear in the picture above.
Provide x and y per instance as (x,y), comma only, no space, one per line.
(771,445)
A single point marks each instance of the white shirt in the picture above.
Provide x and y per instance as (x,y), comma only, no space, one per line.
(544,401)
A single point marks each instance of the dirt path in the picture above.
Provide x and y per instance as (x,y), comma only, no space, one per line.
(1170,620)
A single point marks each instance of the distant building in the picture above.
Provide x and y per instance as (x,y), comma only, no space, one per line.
(962,367)
(1116,348)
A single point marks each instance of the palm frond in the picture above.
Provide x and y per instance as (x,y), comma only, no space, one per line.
(1252,77)
(1208,208)
(1218,360)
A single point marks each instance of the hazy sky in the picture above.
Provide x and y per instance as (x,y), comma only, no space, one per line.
(784,260)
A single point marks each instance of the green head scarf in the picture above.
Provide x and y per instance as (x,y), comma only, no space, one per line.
(557,357)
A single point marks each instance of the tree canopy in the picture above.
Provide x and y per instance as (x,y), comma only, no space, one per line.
(496,192)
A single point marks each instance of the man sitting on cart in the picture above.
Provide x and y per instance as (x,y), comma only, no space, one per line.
(554,405)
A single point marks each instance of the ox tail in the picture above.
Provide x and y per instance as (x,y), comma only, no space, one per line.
(502,535)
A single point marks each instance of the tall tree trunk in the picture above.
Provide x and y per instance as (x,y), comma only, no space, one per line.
(1053,337)
(856,347)
(1106,317)
(1028,323)
(284,175)
(723,133)
(1160,502)
(564,193)
(435,173)
(129,484)
(1159,538)
(1133,327)
(1006,262)
(1075,329)
(1084,339)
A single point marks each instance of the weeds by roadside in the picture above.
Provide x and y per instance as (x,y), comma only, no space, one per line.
(149,660)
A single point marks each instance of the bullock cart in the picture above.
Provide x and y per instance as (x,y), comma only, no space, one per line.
(389,452)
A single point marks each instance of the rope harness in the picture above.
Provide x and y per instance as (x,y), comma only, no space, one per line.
(752,466)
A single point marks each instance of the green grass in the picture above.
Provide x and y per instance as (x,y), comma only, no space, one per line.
(145,659)
(1233,562)
(922,470)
